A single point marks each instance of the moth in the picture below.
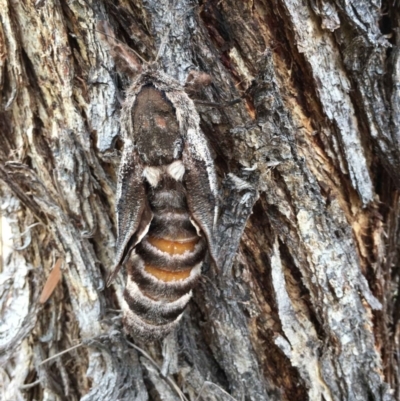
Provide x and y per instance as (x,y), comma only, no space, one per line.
(167,196)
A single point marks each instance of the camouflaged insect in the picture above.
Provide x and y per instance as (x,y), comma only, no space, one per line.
(166,199)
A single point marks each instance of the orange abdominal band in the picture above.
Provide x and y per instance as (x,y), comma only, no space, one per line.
(165,275)
(173,247)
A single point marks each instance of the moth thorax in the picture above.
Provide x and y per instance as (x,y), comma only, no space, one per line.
(168,199)
(155,128)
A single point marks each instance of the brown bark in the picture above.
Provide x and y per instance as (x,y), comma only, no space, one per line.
(305,305)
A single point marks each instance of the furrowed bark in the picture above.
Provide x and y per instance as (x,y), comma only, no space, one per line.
(303,305)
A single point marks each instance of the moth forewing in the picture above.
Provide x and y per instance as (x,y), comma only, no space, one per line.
(200,176)
(133,212)
(202,201)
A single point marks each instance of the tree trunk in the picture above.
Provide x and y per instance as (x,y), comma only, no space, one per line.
(304,304)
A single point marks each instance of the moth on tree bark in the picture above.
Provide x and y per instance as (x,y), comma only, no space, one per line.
(167,206)
(304,303)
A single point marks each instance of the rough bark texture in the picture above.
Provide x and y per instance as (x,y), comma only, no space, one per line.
(305,305)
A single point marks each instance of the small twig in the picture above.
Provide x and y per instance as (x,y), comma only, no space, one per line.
(29,385)
(147,356)
(29,238)
(206,278)
(207,383)
(114,310)
(168,379)
(26,244)
(60,353)
(26,231)
(212,104)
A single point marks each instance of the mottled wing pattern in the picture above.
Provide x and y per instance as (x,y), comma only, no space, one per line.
(133,212)
(201,199)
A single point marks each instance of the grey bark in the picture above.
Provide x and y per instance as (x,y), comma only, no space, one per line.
(305,303)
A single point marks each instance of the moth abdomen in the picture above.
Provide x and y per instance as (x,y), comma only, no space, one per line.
(157,289)
(152,255)
(146,308)
(166,264)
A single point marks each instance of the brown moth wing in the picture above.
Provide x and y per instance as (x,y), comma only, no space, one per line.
(202,201)
(133,211)
(200,178)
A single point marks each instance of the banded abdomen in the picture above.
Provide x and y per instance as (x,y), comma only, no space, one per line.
(166,264)
(166,205)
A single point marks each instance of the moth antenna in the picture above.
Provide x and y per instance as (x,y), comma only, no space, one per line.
(119,50)
(164,40)
(123,44)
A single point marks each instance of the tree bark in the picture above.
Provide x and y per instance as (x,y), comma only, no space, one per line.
(305,302)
